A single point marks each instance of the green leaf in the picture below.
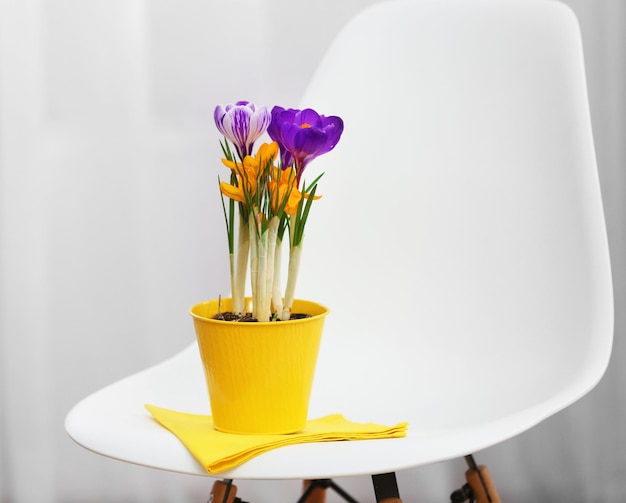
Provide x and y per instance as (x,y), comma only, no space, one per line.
(230,230)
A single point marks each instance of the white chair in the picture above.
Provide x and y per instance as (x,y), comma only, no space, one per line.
(460,245)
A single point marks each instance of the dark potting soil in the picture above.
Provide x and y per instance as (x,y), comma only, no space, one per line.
(247,317)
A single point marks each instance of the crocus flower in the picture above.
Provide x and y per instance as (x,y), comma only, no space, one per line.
(284,191)
(235,192)
(272,198)
(248,173)
(242,123)
(303,135)
(265,156)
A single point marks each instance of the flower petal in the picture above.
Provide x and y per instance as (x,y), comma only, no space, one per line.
(232,192)
(242,123)
(303,135)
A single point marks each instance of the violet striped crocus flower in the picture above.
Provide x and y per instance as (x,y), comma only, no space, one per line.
(242,123)
(303,135)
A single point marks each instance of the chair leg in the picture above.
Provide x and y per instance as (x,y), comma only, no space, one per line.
(479,488)
(313,492)
(223,491)
(479,479)
(386,488)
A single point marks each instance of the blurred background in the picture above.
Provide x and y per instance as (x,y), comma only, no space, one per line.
(110,228)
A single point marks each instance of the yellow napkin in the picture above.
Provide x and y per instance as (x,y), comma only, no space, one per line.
(217,451)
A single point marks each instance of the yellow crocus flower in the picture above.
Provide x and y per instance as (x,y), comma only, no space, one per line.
(235,193)
(248,172)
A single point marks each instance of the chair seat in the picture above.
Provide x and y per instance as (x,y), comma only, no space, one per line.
(113,422)
(460,245)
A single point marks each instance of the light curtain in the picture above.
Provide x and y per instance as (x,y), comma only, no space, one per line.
(108,208)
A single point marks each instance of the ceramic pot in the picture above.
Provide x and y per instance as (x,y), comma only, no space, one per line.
(259,374)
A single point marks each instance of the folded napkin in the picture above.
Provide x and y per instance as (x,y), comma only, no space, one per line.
(217,451)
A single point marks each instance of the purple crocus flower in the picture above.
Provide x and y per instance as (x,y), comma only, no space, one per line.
(242,123)
(303,135)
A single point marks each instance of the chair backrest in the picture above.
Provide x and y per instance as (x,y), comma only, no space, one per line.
(460,242)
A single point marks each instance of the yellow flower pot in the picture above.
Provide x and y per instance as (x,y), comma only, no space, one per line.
(259,374)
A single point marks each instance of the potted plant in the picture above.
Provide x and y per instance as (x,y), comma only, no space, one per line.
(259,352)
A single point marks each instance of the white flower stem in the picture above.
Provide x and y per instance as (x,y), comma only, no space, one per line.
(233,280)
(277,299)
(272,236)
(262,256)
(254,256)
(260,311)
(258,268)
(243,252)
(295,252)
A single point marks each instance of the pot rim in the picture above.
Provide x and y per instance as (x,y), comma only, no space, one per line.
(325,311)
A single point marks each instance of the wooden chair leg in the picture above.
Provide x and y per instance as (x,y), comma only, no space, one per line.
(481,483)
(479,487)
(316,493)
(223,491)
